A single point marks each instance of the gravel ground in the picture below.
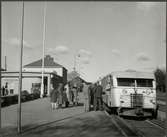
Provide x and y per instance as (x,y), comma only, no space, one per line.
(91,124)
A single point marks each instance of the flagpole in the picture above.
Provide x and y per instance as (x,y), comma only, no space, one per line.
(0,80)
(43,52)
(20,74)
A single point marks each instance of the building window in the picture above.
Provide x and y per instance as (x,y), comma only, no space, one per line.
(11,91)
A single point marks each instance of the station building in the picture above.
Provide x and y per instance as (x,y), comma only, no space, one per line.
(32,76)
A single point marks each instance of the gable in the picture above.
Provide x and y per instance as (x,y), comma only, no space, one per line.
(48,63)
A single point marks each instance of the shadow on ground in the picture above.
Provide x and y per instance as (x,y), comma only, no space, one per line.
(136,118)
(70,106)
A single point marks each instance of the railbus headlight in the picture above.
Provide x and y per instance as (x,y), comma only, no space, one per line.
(148,92)
(153,101)
(124,91)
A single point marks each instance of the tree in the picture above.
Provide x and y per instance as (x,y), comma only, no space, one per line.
(160,76)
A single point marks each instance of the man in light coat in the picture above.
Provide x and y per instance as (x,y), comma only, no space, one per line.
(67,92)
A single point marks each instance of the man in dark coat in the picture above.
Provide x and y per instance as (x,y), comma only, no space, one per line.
(60,94)
(94,95)
(98,97)
(6,88)
(54,98)
(91,95)
(3,91)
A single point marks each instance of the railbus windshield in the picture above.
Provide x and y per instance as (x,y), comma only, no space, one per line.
(144,82)
(131,82)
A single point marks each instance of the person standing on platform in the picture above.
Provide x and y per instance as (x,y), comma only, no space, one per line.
(71,95)
(94,95)
(60,94)
(91,100)
(3,91)
(65,99)
(54,98)
(75,93)
(6,88)
(67,91)
(98,97)
(86,97)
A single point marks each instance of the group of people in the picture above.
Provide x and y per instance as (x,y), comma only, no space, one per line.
(63,95)
(92,97)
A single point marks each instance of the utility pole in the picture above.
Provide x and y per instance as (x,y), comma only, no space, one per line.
(43,52)
(20,73)
(166,116)
(0,75)
(76,63)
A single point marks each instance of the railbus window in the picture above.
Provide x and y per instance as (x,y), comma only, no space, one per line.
(144,82)
(126,82)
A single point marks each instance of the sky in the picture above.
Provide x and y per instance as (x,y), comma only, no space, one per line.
(101,36)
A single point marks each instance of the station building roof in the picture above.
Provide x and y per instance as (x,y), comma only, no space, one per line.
(48,63)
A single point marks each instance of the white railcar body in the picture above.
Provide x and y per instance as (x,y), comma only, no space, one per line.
(130,91)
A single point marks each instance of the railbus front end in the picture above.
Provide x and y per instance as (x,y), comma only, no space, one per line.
(132,94)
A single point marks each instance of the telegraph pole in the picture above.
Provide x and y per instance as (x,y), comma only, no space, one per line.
(0,76)
(20,73)
(43,51)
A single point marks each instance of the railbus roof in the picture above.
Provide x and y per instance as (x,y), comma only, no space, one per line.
(133,74)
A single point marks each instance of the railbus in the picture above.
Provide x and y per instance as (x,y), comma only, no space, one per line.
(130,93)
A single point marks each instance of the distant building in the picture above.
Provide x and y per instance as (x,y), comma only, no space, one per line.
(74,79)
(71,75)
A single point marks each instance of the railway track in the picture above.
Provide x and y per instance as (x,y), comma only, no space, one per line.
(133,127)
(157,124)
(147,128)
(125,129)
